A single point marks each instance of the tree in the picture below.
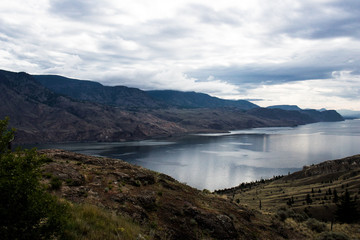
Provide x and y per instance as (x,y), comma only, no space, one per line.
(6,136)
(27,211)
(308,199)
(336,197)
(346,209)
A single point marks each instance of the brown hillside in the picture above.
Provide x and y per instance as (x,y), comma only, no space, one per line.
(171,209)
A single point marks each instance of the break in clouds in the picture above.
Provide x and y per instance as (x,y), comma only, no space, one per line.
(277,52)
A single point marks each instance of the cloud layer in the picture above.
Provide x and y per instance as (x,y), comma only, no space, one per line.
(283,51)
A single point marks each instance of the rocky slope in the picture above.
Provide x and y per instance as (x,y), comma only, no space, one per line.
(39,115)
(171,209)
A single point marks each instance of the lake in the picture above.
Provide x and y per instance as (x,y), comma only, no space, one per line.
(216,161)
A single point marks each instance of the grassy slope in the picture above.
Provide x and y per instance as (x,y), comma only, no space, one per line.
(162,207)
(314,180)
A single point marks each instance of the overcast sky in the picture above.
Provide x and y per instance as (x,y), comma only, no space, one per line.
(303,52)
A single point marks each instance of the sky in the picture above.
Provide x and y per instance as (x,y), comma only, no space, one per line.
(297,52)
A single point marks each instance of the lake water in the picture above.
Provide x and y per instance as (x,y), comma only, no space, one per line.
(216,161)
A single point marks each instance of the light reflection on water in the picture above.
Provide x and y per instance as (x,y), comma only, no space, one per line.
(216,161)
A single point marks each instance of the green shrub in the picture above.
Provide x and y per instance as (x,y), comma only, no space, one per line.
(316,225)
(55,183)
(27,211)
(284,213)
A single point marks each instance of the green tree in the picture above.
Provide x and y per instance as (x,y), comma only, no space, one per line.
(6,136)
(27,211)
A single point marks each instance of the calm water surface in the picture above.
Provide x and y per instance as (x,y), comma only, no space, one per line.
(215,161)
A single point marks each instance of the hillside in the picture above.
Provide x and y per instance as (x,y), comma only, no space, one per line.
(197,100)
(133,98)
(120,96)
(39,115)
(165,208)
(286,107)
(296,117)
(306,193)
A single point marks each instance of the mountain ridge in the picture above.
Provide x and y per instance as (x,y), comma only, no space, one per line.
(125,97)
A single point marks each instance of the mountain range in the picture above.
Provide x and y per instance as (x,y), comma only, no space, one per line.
(50,108)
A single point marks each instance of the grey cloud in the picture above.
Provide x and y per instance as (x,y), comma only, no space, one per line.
(264,74)
(76,9)
(208,15)
(335,19)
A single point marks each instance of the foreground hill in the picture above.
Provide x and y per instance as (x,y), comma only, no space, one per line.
(165,208)
(88,111)
(155,206)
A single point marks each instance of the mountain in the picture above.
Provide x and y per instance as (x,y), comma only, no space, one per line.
(120,96)
(99,113)
(197,100)
(286,107)
(349,114)
(40,115)
(296,117)
(133,98)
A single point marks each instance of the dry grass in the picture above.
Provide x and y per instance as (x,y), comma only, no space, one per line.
(276,194)
(92,223)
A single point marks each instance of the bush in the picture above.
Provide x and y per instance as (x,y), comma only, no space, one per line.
(27,211)
(284,213)
(316,225)
(332,236)
(55,183)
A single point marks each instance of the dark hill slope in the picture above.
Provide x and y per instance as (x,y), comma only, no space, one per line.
(296,117)
(43,116)
(133,98)
(120,96)
(197,100)
(286,107)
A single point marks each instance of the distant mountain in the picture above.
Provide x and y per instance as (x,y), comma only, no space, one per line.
(197,100)
(349,114)
(120,96)
(286,107)
(296,117)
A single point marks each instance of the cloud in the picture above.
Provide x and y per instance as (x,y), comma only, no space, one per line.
(224,48)
(340,91)
(76,10)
